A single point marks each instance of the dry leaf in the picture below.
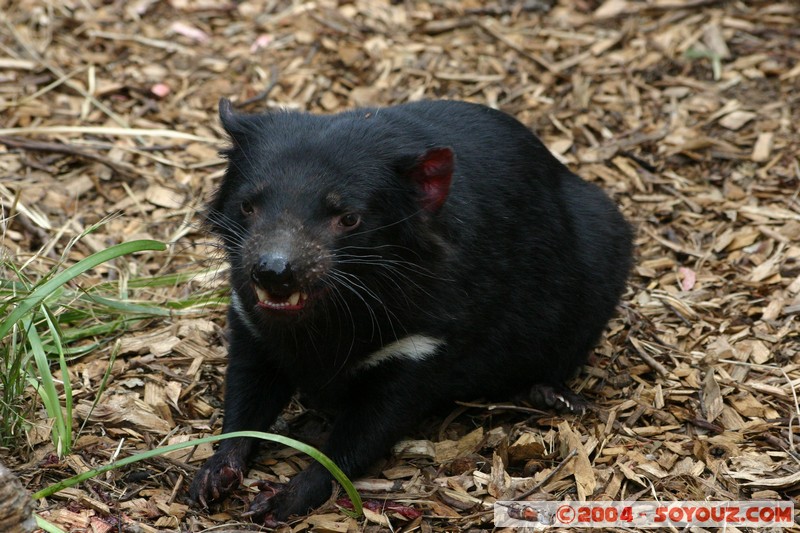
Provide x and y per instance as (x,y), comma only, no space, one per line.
(585,480)
(712,399)
(500,482)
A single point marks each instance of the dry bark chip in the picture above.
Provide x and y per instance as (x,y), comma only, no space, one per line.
(164,197)
(763,147)
(737,119)
(415,449)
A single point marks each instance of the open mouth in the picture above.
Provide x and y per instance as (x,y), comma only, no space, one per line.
(275,302)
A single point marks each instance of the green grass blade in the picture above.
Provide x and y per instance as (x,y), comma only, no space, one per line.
(55,332)
(317,455)
(189,306)
(46,388)
(110,328)
(162,280)
(45,289)
(47,526)
(12,384)
(129,307)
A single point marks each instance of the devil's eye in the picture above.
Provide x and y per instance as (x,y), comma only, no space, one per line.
(350,220)
(246,207)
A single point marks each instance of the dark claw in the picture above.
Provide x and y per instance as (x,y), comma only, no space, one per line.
(215,480)
(229,478)
(277,502)
(266,503)
(265,485)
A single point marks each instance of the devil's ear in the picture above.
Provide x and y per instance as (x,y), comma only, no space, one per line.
(227,115)
(432,173)
(240,127)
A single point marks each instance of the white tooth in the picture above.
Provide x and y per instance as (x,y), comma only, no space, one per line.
(294,298)
(303,296)
(263,296)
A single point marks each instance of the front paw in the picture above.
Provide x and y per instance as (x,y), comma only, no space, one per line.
(216,479)
(275,503)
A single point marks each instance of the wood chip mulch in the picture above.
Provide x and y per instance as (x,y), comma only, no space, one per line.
(686,112)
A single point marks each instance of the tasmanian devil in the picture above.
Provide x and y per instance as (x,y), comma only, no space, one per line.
(386,261)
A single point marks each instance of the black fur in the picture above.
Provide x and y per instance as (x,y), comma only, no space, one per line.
(516,269)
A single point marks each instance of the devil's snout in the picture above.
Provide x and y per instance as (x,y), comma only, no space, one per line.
(284,266)
(274,273)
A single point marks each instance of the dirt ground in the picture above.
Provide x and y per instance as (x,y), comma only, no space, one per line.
(685,111)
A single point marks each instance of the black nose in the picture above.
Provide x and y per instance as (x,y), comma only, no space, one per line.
(274,273)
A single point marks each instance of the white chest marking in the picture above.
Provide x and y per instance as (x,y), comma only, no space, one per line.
(412,348)
(238,307)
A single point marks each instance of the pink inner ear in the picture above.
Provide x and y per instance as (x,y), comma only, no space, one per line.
(433,174)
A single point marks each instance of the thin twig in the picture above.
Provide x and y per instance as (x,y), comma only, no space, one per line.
(59,148)
(504,407)
(536,58)
(652,363)
(273,81)
(103,130)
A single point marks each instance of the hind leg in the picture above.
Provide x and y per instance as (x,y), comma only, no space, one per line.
(557,397)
